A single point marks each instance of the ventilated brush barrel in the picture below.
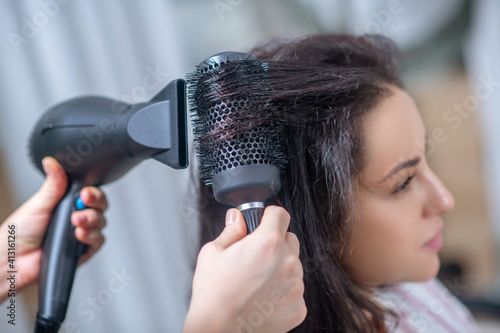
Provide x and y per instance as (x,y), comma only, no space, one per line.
(239,151)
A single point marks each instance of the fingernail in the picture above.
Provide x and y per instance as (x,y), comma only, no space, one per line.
(230,216)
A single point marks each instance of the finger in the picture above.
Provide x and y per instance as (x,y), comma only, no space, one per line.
(93,248)
(52,190)
(274,219)
(91,237)
(294,274)
(235,229)
(298,269)
(297,314)
(88,219)
(293,243)
(93,197)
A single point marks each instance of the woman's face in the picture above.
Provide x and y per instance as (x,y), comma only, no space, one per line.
(399,201)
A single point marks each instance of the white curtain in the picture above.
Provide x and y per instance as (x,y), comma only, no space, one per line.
(482,54)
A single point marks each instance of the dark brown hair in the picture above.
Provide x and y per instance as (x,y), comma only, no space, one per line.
(319,88)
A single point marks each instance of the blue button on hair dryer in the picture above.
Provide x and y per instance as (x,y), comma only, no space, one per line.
(97,140)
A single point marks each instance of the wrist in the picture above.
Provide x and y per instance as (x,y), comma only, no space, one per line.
(4,282)
(10,283)
(4,263)
(205,320)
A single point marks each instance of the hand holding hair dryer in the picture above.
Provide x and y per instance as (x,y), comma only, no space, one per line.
(97,140)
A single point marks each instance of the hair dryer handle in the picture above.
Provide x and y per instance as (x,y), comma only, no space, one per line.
(61,252)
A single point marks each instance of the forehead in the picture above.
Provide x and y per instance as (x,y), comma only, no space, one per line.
(392,132)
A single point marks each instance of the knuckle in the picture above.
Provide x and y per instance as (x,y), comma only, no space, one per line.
(301,288)
(272,241)
(292,240)
(298,262)
(100,241)
(100,197)
(299,272)
(299,314)
(297,288)
(292,237)
(285,214)
(205,248)
(209,248)
(92,216)
(104,200)
(290,263)
(279,211)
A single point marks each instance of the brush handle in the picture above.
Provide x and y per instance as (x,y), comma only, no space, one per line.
(252,213)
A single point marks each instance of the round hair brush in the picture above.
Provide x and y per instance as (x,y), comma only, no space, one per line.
(237,135)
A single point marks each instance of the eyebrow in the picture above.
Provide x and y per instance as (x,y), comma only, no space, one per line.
(402,166)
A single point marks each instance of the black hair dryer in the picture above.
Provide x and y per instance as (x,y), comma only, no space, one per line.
(97,140)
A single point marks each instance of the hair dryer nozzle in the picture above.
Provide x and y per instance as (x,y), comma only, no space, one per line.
(177,155)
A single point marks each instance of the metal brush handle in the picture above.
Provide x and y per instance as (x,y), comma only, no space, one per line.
(252,213)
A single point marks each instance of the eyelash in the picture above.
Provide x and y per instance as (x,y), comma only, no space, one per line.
(404,187)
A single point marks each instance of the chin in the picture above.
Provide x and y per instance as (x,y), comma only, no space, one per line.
(424,270)
(430,270)
(437,266)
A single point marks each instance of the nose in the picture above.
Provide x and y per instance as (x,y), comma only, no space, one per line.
(440,200)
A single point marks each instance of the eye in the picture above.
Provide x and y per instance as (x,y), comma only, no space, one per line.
(404,187)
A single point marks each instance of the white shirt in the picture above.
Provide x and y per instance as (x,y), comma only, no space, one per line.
(426,307)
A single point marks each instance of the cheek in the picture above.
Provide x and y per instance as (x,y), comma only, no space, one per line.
(385,241)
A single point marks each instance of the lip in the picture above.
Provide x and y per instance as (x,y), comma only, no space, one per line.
(436,242)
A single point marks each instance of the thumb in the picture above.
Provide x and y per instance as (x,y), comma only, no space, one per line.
(235,229)
(52,190)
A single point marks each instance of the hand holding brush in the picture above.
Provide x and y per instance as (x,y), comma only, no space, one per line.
(249,284)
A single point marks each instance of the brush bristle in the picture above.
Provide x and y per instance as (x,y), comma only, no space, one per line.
(232,122)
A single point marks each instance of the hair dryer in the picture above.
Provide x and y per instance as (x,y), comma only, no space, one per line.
(97,140)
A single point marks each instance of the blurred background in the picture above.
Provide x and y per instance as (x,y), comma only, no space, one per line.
(53,50)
